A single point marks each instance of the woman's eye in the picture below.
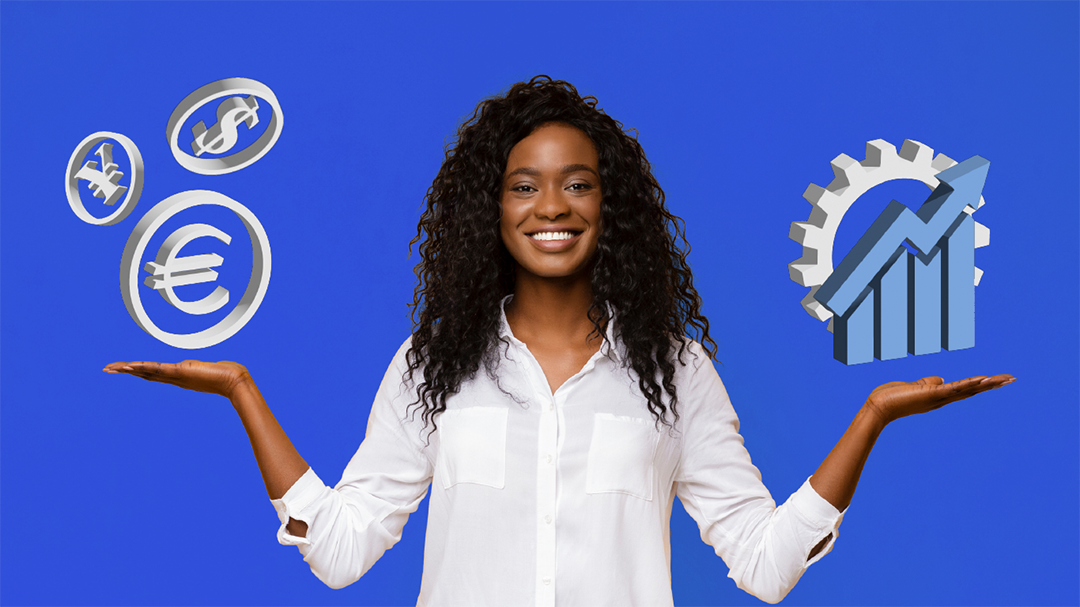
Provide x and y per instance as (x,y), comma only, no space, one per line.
(523,188)
(578,187)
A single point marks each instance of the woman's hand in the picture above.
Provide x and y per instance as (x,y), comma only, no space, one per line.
(889,402)
(215,378)
(278,460)
(837,476)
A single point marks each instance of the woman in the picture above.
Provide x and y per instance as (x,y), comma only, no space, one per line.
(548,394)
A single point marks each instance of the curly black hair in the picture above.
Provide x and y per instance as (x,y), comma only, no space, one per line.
(465,271)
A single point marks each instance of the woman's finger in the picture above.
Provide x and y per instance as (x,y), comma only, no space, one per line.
(161,369)
(162,379)
(150,371)
(128,367)
(999,380)
(966,388)
(962,384)
(116,367)
(961,389)
(938,395)
(993,383)
(983,383)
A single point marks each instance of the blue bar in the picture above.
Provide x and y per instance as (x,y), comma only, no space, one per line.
(924,310)
(900,314)
(853,334)
(891,308)
(958,285)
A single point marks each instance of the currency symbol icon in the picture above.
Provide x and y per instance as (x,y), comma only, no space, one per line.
(223,135)
(104,183)
(169,271)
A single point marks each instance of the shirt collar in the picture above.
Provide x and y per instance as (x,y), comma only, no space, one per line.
(610,348)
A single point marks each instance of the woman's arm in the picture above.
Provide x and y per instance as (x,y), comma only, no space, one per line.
(342,531)
(281,465)
(837,476)
(766,547)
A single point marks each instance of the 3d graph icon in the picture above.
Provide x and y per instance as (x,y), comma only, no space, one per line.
(882,301)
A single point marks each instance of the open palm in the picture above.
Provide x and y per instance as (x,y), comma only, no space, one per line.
(215,378)
(898,399)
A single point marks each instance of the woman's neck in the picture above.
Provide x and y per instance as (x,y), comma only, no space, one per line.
(550,312)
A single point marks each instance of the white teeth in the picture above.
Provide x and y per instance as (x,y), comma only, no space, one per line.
(552,236)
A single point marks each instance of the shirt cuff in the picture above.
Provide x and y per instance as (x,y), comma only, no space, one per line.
(304,491)
(821,515)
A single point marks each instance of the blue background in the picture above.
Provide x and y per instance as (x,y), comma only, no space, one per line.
(117,491)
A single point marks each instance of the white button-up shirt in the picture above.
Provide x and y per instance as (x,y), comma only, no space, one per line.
(541,499)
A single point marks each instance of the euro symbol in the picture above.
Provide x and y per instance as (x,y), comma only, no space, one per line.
(169,271)
(104,182)
(247,303)
(223,135)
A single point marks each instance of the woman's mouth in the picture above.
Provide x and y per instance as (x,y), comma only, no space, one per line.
(550,236)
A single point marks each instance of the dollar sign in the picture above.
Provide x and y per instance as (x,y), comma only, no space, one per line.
(222,136)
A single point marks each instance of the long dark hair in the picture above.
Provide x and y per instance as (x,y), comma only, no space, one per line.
(465,271)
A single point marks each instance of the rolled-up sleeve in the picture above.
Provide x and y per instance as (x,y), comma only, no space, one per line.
(353,524)
(765,547)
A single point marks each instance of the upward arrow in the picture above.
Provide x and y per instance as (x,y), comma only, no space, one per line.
(961,186)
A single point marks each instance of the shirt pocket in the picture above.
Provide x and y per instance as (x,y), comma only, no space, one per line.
(621,456)
(472,447)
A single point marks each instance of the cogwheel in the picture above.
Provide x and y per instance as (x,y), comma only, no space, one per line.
(853,179)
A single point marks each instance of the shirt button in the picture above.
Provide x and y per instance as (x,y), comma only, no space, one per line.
(548,459)
(551,406)
(547,581)
(547,519)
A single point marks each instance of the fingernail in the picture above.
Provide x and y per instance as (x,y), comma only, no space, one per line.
(128,368)
(109,371)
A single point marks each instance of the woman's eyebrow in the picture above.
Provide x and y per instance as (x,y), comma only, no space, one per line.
(524,171)
(568,168)
(574,168)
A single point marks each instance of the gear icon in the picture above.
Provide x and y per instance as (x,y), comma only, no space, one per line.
(853,179)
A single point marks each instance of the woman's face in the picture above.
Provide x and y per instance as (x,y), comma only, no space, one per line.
(551,202)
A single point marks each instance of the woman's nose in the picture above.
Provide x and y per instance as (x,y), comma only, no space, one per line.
(551,204)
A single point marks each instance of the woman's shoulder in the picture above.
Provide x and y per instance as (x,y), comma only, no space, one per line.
(404,348)
(401,357)
(687,352)
(397,383)
(687,357)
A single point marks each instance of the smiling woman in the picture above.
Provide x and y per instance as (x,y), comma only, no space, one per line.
(551,203)
(562,406)
(539,158)
(550,226)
